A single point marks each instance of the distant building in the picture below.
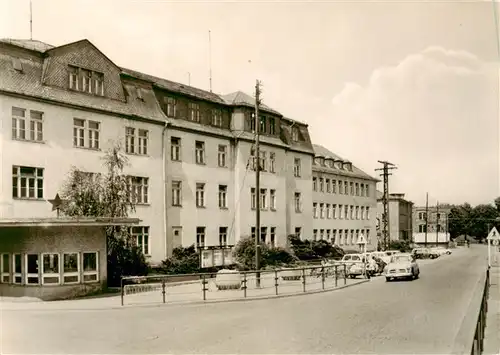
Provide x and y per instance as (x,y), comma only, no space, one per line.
(400,216)
(437,220)
(344,201)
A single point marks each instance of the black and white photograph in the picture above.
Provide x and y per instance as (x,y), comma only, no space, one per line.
(250,177)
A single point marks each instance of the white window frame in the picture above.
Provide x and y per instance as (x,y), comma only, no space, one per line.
(315,184)
(73,273)
(298,232)
(253,198)
(272,236)
(321,234)
(194,112)
(315,234)
(334,211)
(93,272)
(263,234)
(327,183)
(141,238)
(171,106)
(367,213)
(263,160)
(98,83)
(296,167)
(138,190)
(217,117)
(18,123)
(322,210)
(130,140)
(176,193)
(94,134)
(362,212)
(223,236)
(315,210)
(334,186)
(79,132)
(263,199)
(367,190)
(200,236)
(37,179)
(357,212)
(36,126)
(328,211)
(51,274)
(356,189)
(351,210)
(295,134)
(200,194)
(321,185)
(298,202)
(272,162)
(28,275)
(222,156)
(175,148)
(223,196)
(5,277)
(272,199)
(14,273)
(136,141)
(199,152)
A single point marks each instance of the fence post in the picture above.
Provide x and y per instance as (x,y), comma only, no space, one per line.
(345,274)
(304,279)
(336,275)
(323,278)
(276,281)
(244,284)
(163,288)
(122,291)
(203,281)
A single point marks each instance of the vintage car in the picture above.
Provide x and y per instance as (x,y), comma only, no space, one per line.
(386,258)
(356,269)
(403,265)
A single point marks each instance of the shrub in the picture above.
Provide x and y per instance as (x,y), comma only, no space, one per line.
(401,245)
(310,250)
(124,260)
(183,261)
(269,256)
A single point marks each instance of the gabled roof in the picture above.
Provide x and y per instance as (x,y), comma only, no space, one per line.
(321,151)
(30,44)
(239,98)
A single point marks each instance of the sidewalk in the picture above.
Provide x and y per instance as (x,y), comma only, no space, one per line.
(492,331)
(187,293)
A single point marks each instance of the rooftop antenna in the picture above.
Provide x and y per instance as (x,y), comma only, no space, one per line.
(210,57)
(31,20)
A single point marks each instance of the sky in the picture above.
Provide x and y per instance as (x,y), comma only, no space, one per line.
(413,83)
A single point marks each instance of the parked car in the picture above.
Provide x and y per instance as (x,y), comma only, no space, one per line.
(403,265)
(382,255)
(356,269)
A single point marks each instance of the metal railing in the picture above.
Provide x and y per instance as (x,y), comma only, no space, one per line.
(478,341)
(273,283)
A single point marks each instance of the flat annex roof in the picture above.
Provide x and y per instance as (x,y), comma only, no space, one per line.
(65,221)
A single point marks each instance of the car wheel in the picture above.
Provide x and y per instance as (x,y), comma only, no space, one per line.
(387,279)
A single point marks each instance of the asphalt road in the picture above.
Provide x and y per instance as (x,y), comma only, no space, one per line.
(420,316)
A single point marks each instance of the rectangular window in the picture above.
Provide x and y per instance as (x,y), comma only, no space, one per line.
(321,185)
(139,190)
(334,186)
(298,202)
(272,199)
(321,234)
(136,141)
(171,107)
(51,269)
(346,212)
(272,236)
(328,211)
(272,126)
(298,231)
(263,199)
(315,184)
(341,237)
(222,196)
(352,188)
(253,198)
(223,236)
(262,127)
(194,112)
(296,167)
(94,128)
(362,212)
(78,132)
(368,237)
(98,83)
(176,193)
(321,211)
(222,155)
(200,237)
(36,126)
(253,232)
(200,195)
(18,276)
(5,264)
(295,134)
(367,190)
(362,189)
(272,162)
(367,212)
(86,81)
(27,182)
(71,269)
(334,211)
(200,152)
(352,212)
(217,117)
(341,212)
(334,237)
(346,188)
(262,160)
(263,234)
(315,210)
(90,267)
(327,183)
(315,234)
(175,148)
(357,189)
(32,262)
(73,77)
(357,212)
(251,122)
(18,123)
(141,236)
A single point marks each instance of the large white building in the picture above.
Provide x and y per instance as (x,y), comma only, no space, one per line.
(190,151)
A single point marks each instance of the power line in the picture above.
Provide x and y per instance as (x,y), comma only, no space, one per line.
(385,215)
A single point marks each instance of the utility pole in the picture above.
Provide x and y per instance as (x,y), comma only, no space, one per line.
(426,216)
(385,215)
(257,184)
(437,223)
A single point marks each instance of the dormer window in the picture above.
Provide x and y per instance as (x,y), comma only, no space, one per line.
(295,134)
(217,117)
(194,112)
(322,161)
(347,166)
(331,163)
(338,164)
(317,161)
(16,63)
(84,80)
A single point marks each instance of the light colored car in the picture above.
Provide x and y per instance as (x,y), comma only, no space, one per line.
(403,265)
(382,255)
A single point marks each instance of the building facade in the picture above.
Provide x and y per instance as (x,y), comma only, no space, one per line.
(344,201)
(437,219)
(400,216)
(190,152)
